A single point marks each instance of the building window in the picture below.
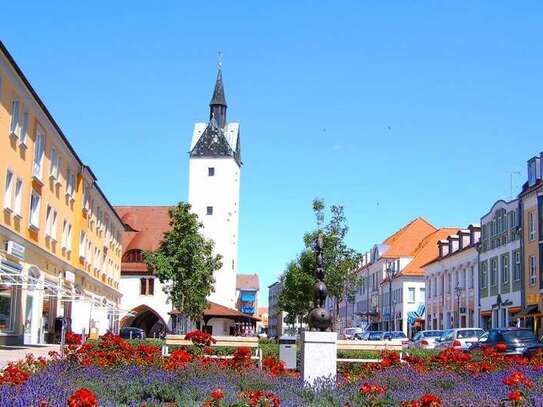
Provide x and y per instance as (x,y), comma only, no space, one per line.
(82,238)
(18,197)
(493,271)
(531,226)
(411,294)
(38,154)
(55,165)
(209,210)
(35,209)
(471,275)
(147,286)
(51,222)
(13,125)
(8,191)
(24,127)
(211,171)
(449,283)
(70,182)
(484,274)
(531,172)
(516,266)
(533,270)
(7,308)
(505,268)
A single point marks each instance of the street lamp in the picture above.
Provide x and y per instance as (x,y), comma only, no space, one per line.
(458,291)
(391,273)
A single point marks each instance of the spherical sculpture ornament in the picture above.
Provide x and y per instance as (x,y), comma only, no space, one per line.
(319,293)
(320,319)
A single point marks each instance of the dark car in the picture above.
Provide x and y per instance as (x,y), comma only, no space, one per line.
(375,336)
(132,333)
(387,336)
(363,336)
(516,341)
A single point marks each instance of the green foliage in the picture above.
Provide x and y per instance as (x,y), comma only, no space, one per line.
(184,263)
(340,261)
(297,294)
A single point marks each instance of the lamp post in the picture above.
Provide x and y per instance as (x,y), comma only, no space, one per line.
(458,291)
(390,272)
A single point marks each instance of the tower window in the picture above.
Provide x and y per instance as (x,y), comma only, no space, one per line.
(210,210)
(211,171)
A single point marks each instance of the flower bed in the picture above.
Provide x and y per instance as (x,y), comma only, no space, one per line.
(115,373)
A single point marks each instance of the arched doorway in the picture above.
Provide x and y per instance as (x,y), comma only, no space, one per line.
(146,318)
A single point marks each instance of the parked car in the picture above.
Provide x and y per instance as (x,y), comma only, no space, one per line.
(517,341)
(426,339)
(349,333)
(362,336)
(459,338)
(387,336)
(132,333)
(375,336)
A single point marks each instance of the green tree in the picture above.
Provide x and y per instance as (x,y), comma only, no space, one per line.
(184,263)
(340,261)
(296,297)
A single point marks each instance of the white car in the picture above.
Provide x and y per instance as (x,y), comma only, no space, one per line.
(426,339)
(459,338)
(349,333)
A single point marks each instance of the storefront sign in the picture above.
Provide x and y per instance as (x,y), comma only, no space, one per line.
(69,276)
(15,249)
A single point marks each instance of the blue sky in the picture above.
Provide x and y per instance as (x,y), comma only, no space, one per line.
(394,109)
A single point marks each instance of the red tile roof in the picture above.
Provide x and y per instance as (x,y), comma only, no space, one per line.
(247,282)
(145,228)
(406,240)
(220,311)
(426,250)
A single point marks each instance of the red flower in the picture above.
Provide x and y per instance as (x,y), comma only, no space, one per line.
(217,394)
(514,395)
(82,398)
(430,400)
(72,339)
(372,389)
(516,379)
(501,347)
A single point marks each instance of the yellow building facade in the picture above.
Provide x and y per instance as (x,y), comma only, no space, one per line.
(60,239)
(531,199)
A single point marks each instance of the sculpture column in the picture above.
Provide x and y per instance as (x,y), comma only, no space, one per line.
(319,345)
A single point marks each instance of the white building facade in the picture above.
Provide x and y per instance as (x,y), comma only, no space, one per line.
(214,184)
(500,266)
(451,282)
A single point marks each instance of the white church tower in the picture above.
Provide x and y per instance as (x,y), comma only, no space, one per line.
(214,178)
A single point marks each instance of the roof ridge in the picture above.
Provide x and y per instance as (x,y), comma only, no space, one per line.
(395,234)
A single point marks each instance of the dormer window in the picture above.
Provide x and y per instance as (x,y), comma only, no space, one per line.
(133,256)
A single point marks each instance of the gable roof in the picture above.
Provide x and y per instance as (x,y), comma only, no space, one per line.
(406,240)
(426,250)
(247,282)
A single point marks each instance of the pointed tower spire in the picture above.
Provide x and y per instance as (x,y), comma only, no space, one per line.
(217,106)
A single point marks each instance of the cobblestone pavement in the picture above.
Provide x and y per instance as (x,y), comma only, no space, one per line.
(13,353)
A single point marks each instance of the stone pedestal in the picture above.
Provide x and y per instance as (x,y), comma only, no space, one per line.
(319,355)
